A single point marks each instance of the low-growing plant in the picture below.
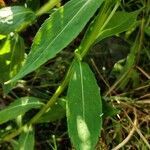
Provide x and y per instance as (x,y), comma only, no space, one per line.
(82,104)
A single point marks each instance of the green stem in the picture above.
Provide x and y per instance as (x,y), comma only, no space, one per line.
(55,96)
(45,8)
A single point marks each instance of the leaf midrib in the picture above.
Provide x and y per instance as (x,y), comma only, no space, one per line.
(82,92)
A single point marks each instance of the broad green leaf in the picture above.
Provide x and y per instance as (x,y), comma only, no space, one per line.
(56,112)
(58,31)
(84,108)
(11,59)
(120,22)
(26,139)
(14,18)
(19,107)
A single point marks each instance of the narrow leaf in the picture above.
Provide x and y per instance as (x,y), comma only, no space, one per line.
(26,139)
(120,22)
(19,107)
(14,18)
(58,31)
(11,59)
(84,108)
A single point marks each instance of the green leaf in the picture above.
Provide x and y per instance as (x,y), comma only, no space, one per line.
(11,59)
(120,22)
(56,112)
(58,31)
(26,139)
(84,108)
(19,107)
(14,18)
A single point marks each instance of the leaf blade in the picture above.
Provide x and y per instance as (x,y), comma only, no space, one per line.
(120,22)
(83,108)
(19,107)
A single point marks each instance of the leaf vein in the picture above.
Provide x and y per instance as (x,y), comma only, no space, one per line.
(82,92)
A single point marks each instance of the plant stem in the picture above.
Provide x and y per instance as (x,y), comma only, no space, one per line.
(45,8)
(53,99)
